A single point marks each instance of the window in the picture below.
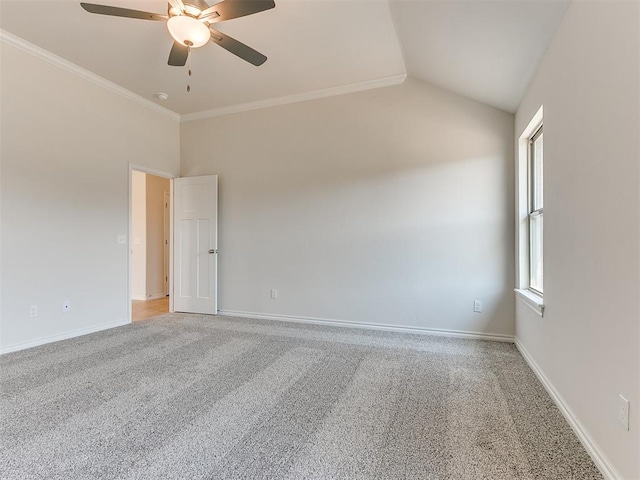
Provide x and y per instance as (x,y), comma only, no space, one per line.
(529,208)
(535,211)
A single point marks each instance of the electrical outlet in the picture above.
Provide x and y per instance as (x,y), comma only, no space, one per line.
(623,412)
(477,306)
(274,293)
(33,311)
(66,306)
(122,239)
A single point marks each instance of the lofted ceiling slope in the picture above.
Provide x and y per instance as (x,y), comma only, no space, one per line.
(486,50)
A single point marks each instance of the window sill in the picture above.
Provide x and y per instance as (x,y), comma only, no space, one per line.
(531,300)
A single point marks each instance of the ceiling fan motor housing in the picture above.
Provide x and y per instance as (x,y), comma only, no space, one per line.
(192,8)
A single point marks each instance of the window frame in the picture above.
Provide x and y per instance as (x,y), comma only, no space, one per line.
(528,297)
(532,177)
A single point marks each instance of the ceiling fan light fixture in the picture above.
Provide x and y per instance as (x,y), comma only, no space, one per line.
(188,31)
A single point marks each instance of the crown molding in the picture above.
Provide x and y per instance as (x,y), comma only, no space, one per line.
(301,97)
(42,54)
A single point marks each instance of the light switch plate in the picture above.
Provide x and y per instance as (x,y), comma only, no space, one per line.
(122,239)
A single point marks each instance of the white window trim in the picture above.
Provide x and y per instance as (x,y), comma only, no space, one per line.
(531,212)
(532,299)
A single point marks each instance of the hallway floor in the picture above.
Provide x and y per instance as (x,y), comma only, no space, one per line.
(143,309)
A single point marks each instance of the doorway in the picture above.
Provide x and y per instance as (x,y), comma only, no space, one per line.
(150,244)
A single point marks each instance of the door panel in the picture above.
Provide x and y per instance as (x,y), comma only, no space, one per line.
(195,268)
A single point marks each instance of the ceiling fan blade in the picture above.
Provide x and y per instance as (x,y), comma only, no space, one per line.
(237,48)
(121,12)
(228,9)
(178,55)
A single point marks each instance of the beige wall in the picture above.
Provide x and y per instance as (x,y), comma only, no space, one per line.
(587,344)
(155,188)
(391,206)
(139,235)
(66,148)
(147,224)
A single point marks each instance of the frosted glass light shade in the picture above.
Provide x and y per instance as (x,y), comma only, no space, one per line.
(187,29)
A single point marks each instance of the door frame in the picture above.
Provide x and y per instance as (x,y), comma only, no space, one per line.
(158,173)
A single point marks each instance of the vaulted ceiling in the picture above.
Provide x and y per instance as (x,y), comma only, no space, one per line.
(484,49)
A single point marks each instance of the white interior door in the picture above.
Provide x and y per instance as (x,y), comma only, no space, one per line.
(195,244)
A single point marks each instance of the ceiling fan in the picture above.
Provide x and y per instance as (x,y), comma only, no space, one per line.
(190,24)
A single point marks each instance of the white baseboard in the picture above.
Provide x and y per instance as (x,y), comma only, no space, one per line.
(155,296)
(152,296)
(598,457)
(371,326)
(62,336)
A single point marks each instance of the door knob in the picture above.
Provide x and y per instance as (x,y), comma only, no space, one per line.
(212,251)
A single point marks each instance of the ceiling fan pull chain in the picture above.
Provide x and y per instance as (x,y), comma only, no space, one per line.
(188,67)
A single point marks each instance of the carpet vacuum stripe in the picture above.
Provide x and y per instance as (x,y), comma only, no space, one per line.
(201,397)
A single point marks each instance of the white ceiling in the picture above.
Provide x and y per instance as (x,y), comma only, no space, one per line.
(486,50)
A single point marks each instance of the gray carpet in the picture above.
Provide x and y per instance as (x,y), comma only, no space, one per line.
(189,396)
